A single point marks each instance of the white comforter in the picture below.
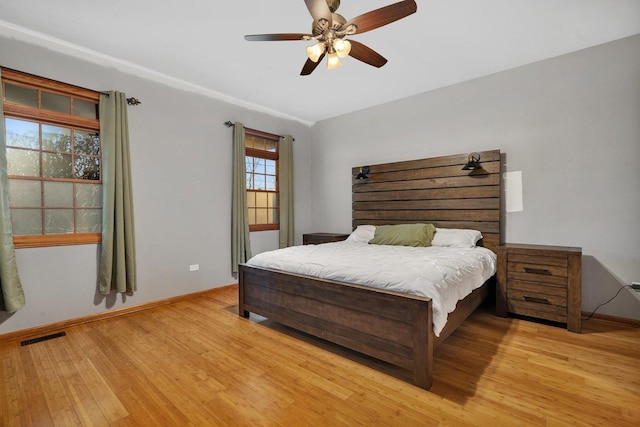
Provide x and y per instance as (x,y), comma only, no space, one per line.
(443,274)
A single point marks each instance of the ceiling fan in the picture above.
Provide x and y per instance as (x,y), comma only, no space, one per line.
(329,30)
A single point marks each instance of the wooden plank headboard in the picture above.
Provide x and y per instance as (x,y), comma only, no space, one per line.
(434,190)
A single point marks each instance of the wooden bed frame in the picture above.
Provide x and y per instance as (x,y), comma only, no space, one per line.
(390,326)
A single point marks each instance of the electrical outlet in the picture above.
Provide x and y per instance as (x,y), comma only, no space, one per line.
(635,286)
(194,267)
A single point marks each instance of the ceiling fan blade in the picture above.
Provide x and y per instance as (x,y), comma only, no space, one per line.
(366,54)
(276,37)
(309,66)
(383,16)
(319,10)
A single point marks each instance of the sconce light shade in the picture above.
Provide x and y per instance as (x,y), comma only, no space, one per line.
(363,173)
(473,163)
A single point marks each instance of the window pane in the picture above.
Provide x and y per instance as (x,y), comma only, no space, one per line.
(259,182)
(55,102)
(86,109)
(270,146)
(251,215)
(58,194)
(24,193)
(273,216)
(88,195)
(86,142)
(261,200)
(58,221)
(88,220)
(254,165)
(270,183)
(87,168)
(56,165)
(22,134)
(270,166)
(261,216)
(248,141)
(250,165)
(21,95)
(26,221)
(55,138)
(273,200)
(258,144)
(251,199)
(23,162)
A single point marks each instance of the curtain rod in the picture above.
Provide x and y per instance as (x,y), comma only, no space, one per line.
(229,124)
(130,101)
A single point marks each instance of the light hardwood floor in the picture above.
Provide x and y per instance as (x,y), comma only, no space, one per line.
(197,363)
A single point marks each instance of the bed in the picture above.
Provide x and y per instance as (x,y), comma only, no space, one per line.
(391,326)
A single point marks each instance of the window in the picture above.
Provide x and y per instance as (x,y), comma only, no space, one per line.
(53,161)
(261,163)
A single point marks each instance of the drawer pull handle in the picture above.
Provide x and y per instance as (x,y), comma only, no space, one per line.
(536,300)
(537,271)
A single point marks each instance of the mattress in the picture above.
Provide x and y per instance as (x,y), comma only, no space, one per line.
(444,274)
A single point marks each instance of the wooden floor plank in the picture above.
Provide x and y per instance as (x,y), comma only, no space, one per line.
(196,362)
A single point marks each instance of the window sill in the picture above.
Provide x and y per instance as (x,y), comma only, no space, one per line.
(22,242)
(264,227)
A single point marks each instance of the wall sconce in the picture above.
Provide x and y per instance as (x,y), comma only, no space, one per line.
(364,170)
(473,163)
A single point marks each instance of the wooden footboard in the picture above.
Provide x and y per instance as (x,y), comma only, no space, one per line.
(389,326)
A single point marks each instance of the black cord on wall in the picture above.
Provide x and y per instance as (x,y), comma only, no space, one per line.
(608,301)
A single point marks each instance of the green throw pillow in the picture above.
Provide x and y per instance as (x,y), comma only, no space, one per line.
(404,235)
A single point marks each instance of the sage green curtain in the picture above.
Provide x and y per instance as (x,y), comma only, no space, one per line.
(287,233)
(11,295)
(117,269)
(240,242)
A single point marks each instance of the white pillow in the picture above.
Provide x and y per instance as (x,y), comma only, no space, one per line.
(456,238)
(362,234)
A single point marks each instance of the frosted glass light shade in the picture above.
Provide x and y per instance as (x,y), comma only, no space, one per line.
(333,61)
(314,52)
(342,47)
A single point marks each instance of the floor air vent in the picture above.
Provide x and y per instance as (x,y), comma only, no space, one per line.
(45,338)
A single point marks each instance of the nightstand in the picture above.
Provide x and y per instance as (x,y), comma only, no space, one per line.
(538,281)
(317,238)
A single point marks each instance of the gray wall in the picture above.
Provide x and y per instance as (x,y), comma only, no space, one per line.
(571,124)
(181,155)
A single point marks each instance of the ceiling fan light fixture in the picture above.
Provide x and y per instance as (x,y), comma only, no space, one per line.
(333,61)
(314,52)
(328,30)
(342,47)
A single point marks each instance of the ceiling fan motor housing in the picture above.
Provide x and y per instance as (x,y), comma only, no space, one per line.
(337,21)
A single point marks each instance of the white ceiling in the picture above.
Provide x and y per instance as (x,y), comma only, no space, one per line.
(199,44)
